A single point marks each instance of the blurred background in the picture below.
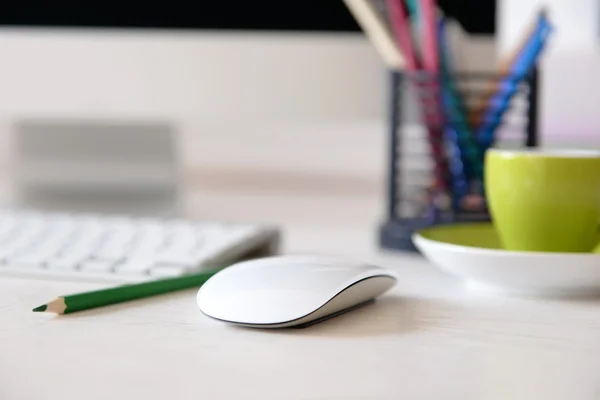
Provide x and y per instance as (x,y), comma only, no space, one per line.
(262,96)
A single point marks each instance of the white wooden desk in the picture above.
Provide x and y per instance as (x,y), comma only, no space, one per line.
(427,339)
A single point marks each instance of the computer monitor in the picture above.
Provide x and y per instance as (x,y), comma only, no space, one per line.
(65,62)
(210,81)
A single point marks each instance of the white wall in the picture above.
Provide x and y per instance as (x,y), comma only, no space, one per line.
(570,79)
(576,22)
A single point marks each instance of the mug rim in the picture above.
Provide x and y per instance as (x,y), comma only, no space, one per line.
(547,153)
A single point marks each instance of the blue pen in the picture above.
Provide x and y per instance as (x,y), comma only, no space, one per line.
(508,87)
(465,162)
(460,186)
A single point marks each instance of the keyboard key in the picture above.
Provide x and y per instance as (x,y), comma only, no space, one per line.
(97,266)
(149,241)
(34,260)
(110,253)
(120,237)
(160,271)
(137,266)
(77,252)
(13,249)
(179,258)
(87,238)
(6,253)
(71,259)
(142,252)
(60,235)
(181,245)
(204,253)
(20,241)
(6,230)
(65,264)
(49,249)
(151,228)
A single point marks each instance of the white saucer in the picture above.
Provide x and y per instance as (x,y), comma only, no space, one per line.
(472,253)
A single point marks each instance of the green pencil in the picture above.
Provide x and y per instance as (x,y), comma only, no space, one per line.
(121,294)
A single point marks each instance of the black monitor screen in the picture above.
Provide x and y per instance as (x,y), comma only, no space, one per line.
(307,15)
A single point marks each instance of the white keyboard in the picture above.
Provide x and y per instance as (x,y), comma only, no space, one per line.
(121,249)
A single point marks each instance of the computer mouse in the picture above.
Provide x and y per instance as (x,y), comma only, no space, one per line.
(291,291)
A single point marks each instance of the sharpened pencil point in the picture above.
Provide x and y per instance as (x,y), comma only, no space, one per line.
(40,308)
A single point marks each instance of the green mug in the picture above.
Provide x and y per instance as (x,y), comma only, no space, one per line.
(544,200)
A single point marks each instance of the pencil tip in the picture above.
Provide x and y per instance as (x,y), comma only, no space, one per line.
(41,308)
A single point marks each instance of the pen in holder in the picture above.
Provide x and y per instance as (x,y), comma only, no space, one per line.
(435,170)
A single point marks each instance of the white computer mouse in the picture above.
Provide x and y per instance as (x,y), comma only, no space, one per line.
(286,291)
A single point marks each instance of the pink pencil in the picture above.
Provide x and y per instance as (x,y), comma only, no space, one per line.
(429,50)
(428,30)
(402,30)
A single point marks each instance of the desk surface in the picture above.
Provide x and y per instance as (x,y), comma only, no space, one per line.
(427,339)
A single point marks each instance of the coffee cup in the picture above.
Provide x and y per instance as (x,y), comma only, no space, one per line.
(544,200)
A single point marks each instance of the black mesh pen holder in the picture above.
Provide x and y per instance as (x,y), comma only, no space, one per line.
(426,160)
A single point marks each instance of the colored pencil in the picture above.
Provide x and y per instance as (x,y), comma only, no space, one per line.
(456,108)
(477,111)
(431,112)
(376,28)
(403,33)
(120,294)
(523,65)
(413,8)
(464,160)
(428,29)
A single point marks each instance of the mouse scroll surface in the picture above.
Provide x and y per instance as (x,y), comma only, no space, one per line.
(278,289)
